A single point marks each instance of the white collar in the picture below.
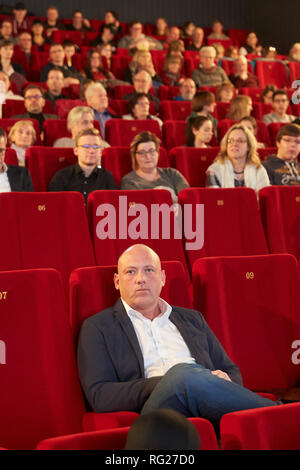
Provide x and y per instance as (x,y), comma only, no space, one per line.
(164,308)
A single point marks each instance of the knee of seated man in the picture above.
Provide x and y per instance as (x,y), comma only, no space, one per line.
(183,371)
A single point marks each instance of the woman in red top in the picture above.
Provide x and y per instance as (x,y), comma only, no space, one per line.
(94,69)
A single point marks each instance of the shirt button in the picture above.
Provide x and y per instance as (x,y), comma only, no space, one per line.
(84,192)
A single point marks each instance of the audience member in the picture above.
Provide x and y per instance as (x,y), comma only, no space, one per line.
(251,46)
(142,83)
(94,69)
(96,97)
(217,31)
(269,53)
(79,23)
(86,175)
(197,40)
(106,36)
(20,20)
(172,34)
(250,123)
(144,150)
(39,37)
(162,429)
(284,168)
(111,18)
(188,29)
(161,27)
(5,92)
(79,118)
(172,75)
(267,94)
(52,23)
(203,104)
(55,84)
(15,71)
(240,106)
(231,52)
(198,132)
(34,102)
(208,73)
(280,103)
(12,178)
(135,35)
(142,60)
(197,378)
(25,44)
(106,51)
(139,108)
(21,136)
(6,31)
(220,51)
(242,78)
(57,60)
(238,163)
(294,53)
(225,92)
(187,90)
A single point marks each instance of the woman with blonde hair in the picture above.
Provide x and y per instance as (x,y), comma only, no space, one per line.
(240,107)
(21,136)
(142,60)
(238,163)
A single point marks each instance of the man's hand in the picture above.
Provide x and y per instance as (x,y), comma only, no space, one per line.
(221,374)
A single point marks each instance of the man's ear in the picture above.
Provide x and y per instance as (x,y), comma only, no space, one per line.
(163,277)
(116,281)
(75,150)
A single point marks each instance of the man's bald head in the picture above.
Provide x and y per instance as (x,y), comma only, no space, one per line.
(138,250)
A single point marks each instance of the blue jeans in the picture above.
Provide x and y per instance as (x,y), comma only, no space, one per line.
(193,390)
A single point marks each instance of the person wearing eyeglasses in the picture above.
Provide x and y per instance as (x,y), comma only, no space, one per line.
(34,103)
(12,178)
(238,163)
(284,168)
(86,175)
(280,103)
(144,151)
(139,107)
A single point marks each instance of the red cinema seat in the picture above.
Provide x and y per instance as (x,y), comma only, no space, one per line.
(7,123)
(223,127)
(296,107)
(254,93)
(117,160)
(107,439)
(207,435)
(16,107)
(280,211)
(90,36)
(260,109)
(174,110)
(120,132)
(273,129)
(271,72)
(262,134)
(56,128)
(270,428)
(121,107)
(63,107)
(40,391)
(266,151)
(44,162)
(51,231)
(231,223)
(173,134)
(59,36)
(193,162)
(133,215)
(294,68)
(122,90)
(167,92)
(238,36)
(228,66)
(221,110)
(11,157)
(119,64)
(254,312)
(225,42)
(92,290)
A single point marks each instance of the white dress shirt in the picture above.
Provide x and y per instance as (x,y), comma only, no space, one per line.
(4,182)
(160,341)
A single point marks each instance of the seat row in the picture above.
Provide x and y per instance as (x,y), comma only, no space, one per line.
(259,328)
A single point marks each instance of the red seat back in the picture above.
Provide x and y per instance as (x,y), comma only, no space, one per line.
(40,391)
(11,157)
(59,36)
(273,129)
(63,107)
(256,321)
(271,72)
(56,128)
(120,132)
(174,110)
(167,92)
(193,162)
(173,134)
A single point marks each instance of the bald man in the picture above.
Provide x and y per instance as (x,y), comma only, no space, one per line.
(143,354)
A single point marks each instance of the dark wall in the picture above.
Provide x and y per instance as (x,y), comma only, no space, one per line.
(276,22)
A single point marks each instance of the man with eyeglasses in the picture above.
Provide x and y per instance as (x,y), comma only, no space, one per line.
(280,103)
(34,102)
(284,168)
(86,175)
(142,83)
(12,178)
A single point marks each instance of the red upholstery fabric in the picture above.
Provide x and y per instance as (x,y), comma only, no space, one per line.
(63,107)
(120,132)
(173,134)
(266,151)
(273,129)
(294,68)
(121,90)
(271,72)
(252,305)
(222,110)
(193,162)
(228,66)
(174,110)
(59,36)
(223,127)
(280,210)
(119,64)
(167,92)
(121,203)
(232,224)
(118,161)
(121,107)
(55,128)
(11,157)
(92,290)
(7,123)
(44,162)
(208,439)
(254,93)
(48,230)
(40,390)
(260,109)
(262,130)
(15,107)
(238,35)
(271,428)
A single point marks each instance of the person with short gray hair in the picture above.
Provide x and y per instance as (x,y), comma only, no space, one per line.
(208,73)
(97,99)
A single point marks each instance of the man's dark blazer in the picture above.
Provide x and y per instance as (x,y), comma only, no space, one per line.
(19,178)
(110,361)
(27,116)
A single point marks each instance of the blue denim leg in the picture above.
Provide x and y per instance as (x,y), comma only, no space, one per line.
(193,390)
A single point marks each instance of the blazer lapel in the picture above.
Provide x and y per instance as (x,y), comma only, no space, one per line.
(128,329)
(11,179)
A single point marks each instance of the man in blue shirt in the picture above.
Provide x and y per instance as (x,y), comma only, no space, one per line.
(96,97)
